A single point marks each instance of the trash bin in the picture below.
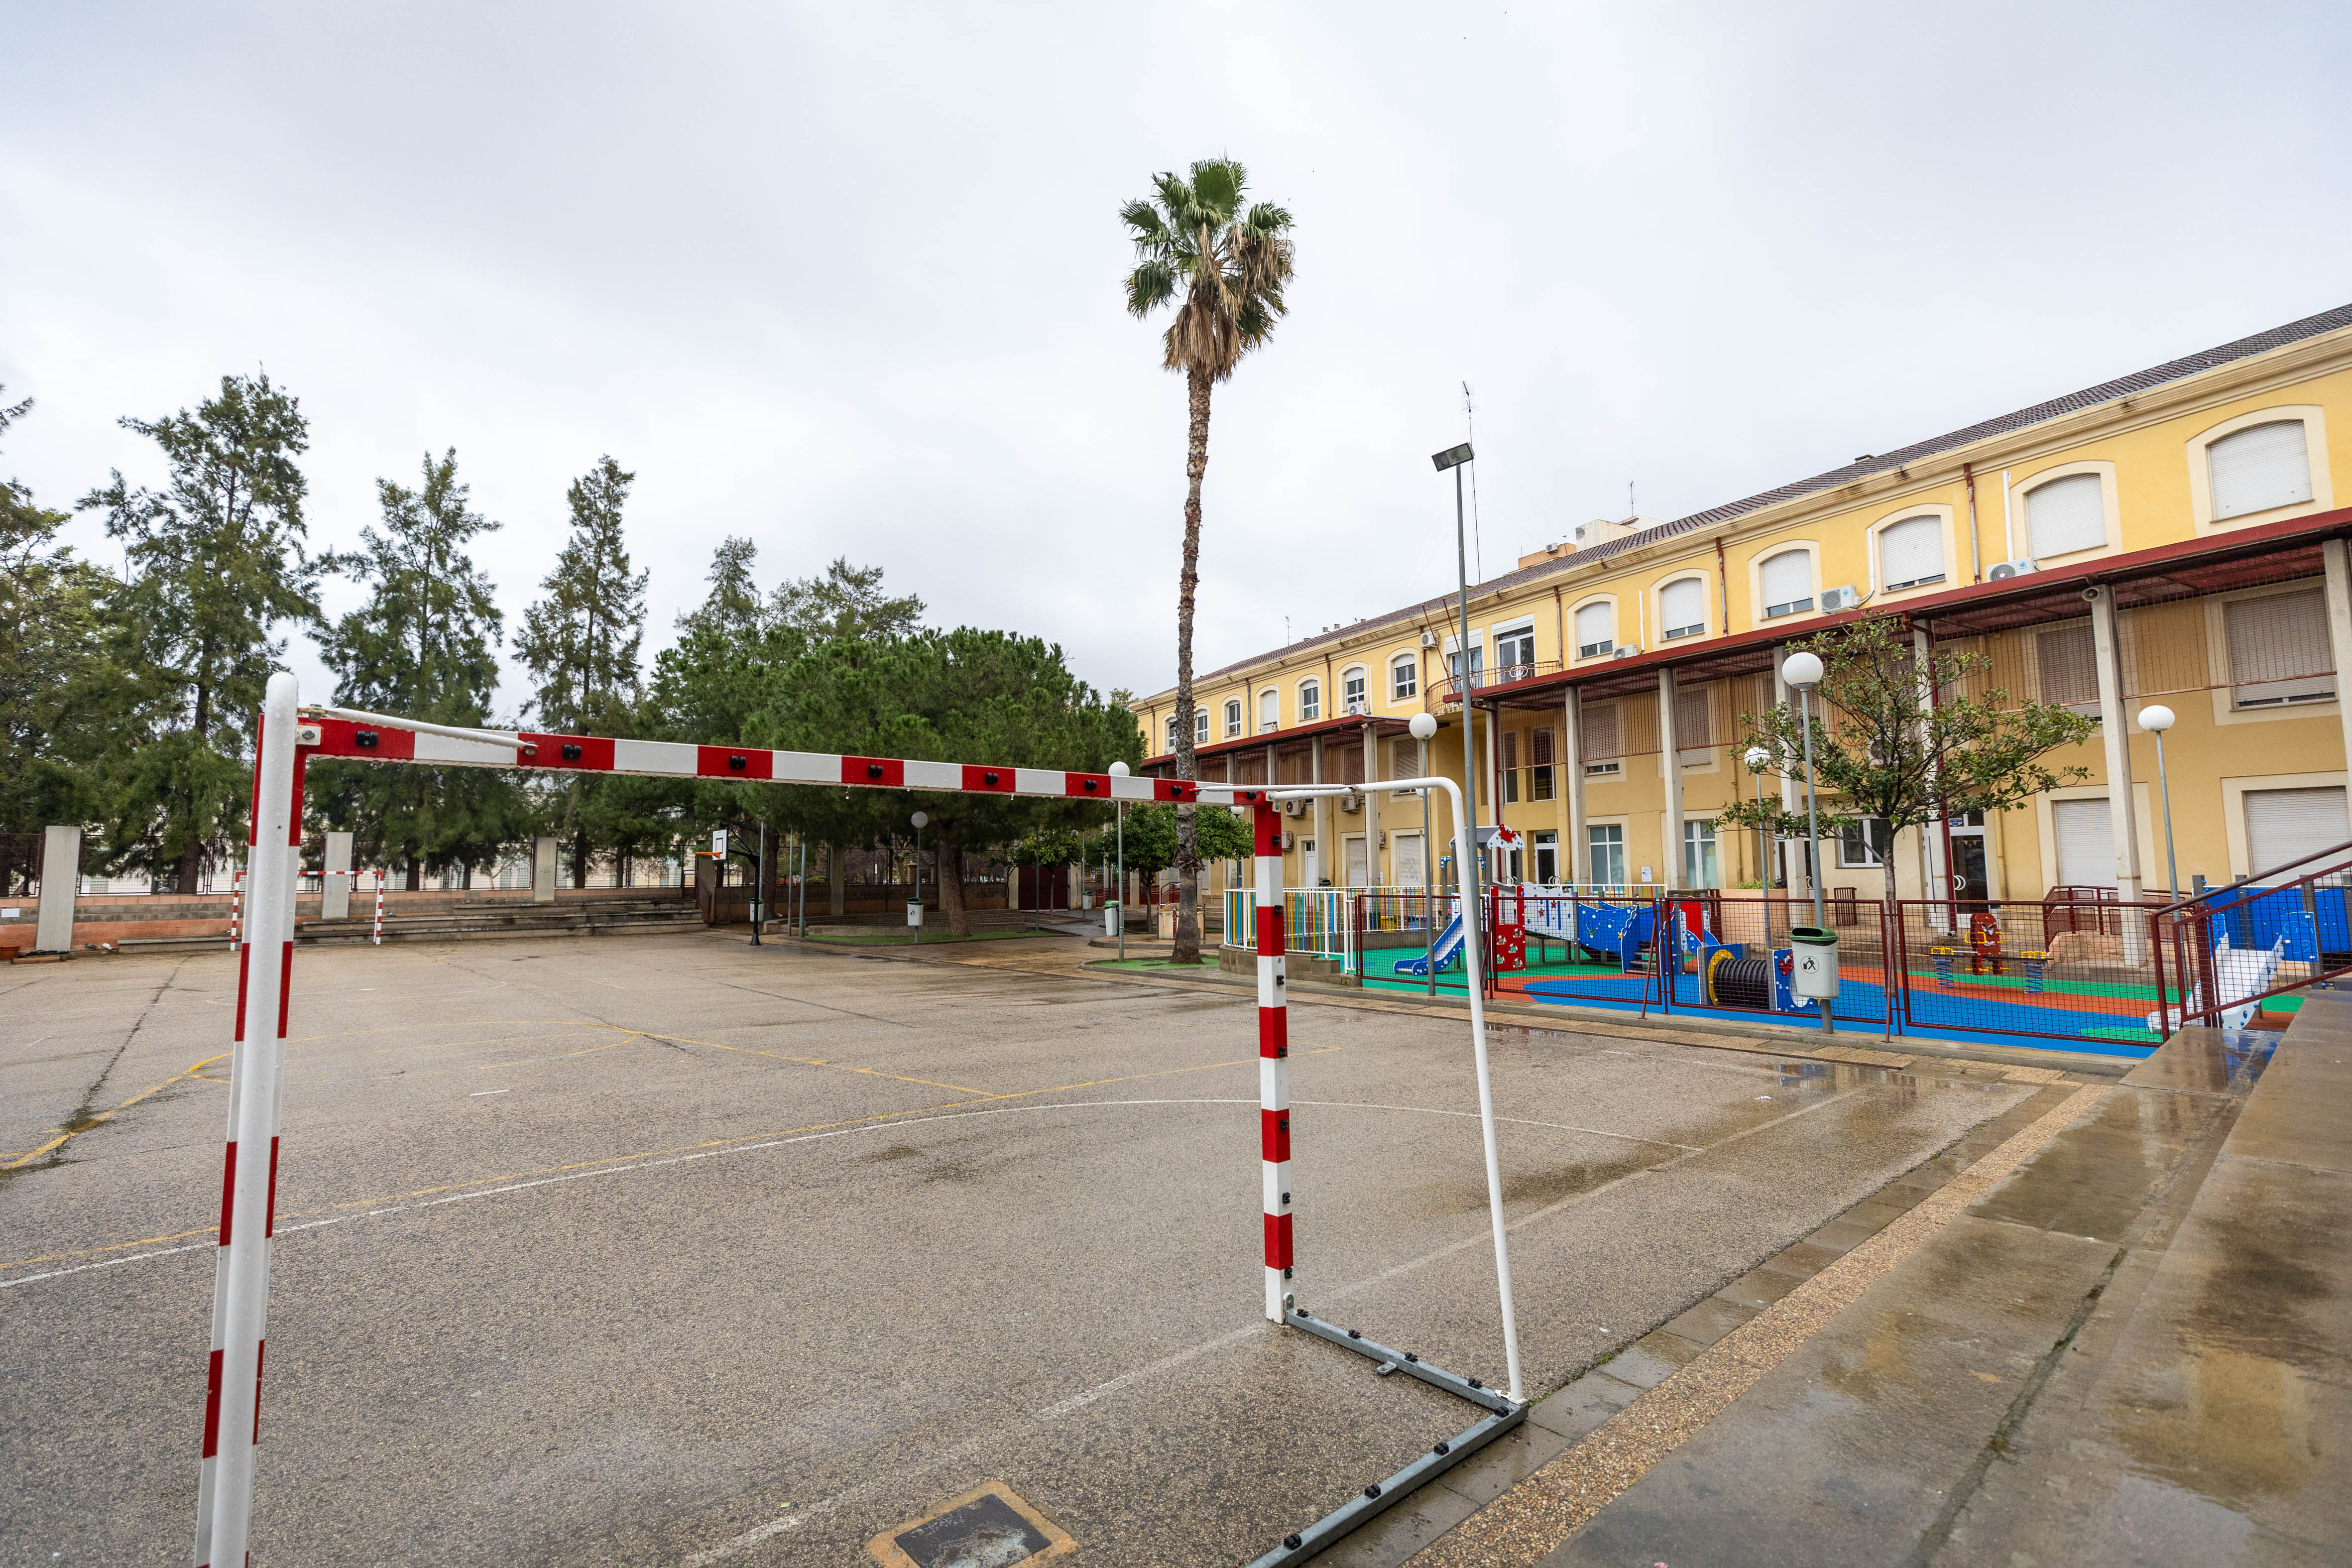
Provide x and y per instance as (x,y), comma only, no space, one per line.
(914,914)
(1814,952)
(1110,918)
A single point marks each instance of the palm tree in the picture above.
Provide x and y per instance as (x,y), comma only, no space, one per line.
(1225,268)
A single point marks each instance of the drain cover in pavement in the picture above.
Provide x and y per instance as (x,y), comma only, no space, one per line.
(987,1527)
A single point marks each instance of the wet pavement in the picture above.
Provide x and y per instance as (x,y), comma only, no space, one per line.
(2132,1350)
(670,1250)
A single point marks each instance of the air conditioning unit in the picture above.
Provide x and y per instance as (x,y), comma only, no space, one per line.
(1429,639)
(2008,569)
(1358,707)
(1286,841)
(1846,599)
(1351,802)
(1295,808)
(1627,651)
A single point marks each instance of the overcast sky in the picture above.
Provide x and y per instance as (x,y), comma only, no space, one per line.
(845,278)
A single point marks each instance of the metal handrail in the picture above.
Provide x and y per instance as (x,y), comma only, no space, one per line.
(2252,879)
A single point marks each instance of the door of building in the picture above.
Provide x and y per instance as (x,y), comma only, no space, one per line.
(1310,864)
(1547,858)
(1971,867)
(1351,850)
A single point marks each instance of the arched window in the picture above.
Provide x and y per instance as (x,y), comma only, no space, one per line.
(2259,467)
(1596,628)
(1269,711)
(1171,732)
(1200,726)
(1681,608)
(1310,701)
(1911,553)
(1404,677)
(1233,717)
(1788,583)
(2066,515)
(1355,696)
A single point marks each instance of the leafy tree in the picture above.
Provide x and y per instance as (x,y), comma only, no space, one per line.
(425,646)
(965,696)
(847,602)
(216,559)
(1883,750)
(581,646)
(1225,267)
(54,614)
(1152,839)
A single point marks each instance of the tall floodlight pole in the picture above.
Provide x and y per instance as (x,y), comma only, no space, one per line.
(1473,927)
(919,818)
(1804,671)
(2156,719)
(1119,771)
(1423,726)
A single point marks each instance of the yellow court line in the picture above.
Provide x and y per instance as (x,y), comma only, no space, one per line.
(654,1153)
(28,1157)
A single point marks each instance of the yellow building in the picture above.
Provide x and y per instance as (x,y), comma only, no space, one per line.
(2171,535)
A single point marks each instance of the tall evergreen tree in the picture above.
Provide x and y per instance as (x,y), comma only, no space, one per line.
(216,559)
(847,602)
(425,646)
(54,698)
(732,608)
(581,644)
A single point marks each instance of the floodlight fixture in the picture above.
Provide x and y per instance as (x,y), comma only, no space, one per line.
(1451,458)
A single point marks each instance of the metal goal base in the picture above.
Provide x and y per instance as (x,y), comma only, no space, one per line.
(1382,1496)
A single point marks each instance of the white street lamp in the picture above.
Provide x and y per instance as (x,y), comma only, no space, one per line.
(2156,719)
(1804,671)
(1119,771)
(921,820)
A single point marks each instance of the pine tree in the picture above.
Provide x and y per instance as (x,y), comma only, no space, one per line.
(581,646)
(216,561)
(731,609)
(423,646)
(847,602)
(581,642)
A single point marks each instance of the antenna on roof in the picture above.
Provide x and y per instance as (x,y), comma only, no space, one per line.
(1631,511)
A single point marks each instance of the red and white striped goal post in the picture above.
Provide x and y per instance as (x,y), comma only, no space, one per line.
(288,735)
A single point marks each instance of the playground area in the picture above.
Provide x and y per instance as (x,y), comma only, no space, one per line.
(2082,973)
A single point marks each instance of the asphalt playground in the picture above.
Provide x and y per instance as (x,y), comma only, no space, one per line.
(671,1250)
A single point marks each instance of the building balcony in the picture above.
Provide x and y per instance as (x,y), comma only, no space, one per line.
(1445,695)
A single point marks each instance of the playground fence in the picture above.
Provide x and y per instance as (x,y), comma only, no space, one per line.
(2080,970)
(2226,950)
(1317,922)
(1750,930)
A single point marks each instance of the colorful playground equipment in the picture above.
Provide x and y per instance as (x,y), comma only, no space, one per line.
(2241,975)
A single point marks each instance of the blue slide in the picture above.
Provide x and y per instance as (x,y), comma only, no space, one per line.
(1449,947)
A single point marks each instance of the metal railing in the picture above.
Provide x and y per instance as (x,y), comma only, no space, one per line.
(2233,947)
(1445,691)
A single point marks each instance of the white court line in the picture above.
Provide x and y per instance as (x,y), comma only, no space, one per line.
(753,1148)
(479,1092)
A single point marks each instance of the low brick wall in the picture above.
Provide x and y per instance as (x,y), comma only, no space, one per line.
(124,917)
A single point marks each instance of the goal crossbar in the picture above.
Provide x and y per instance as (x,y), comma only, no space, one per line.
(288,735)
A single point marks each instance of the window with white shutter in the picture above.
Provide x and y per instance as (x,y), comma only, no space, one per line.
(2259,467)
(2066,515)
(1269,712)
(1596,629)
(1404,678)
(1233,717)
(1911,553)
(1681,608)
(2279,652)
(1788,583)
(1310,701)
(2087,843)
(2069,667)
(2283,825)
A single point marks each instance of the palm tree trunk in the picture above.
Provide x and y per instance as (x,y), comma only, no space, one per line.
(1188,833)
